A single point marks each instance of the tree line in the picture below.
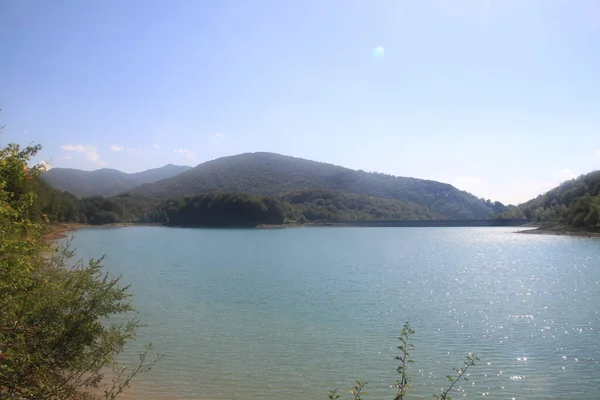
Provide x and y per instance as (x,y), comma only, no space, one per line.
(223,209)
(575,204)
(269,174)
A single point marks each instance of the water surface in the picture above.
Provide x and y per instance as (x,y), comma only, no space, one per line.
(290,314)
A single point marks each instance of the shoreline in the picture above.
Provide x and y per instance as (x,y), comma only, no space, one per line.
(64,230)
(61,230)
(560,232)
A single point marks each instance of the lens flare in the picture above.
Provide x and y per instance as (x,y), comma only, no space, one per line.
(378,51)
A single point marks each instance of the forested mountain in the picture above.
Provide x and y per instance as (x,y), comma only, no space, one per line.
(223,210)
(105,182)
(158,174)
(574,203)
(234,209)
(269,174)
(321,204)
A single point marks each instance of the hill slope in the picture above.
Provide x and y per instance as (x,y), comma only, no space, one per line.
(105,182)
(574,203)
(275,175)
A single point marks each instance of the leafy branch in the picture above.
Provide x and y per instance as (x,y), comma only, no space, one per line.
(469,362)
(404,348)
(403,383)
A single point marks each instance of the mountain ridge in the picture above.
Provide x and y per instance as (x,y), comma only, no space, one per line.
(272,174)
(106,181)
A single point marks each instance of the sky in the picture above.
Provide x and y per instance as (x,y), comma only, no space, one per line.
(497,97)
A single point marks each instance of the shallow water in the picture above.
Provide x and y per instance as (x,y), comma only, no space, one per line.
(288,314)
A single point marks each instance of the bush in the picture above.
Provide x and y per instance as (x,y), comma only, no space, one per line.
(58,333)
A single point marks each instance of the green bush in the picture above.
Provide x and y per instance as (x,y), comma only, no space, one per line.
(59,334)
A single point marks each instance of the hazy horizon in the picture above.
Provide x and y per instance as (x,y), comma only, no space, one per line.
(498,98)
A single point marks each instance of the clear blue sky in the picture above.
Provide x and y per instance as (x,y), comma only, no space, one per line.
(498,97)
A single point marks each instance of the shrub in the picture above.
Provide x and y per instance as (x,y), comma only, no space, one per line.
(59,332)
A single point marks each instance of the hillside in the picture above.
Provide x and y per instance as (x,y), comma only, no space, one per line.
(574,203)
(314,205)
(269,174)
(106,182)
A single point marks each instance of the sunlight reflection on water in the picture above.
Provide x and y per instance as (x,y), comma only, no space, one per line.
(293,313)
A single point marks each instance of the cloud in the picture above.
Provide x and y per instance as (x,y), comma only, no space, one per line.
(598,152)
(66,157)
(115,147)
(513,192)
(156,146)
(217,138)
(468,183)
(526,189)
(566,174)
(187,153)
(45,165)
(88,150)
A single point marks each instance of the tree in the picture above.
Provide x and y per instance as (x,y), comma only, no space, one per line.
(584,212)
(57,329)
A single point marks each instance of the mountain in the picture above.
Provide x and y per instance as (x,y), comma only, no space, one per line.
(573,204)
(270,174)
(106,182)
(158,174)
(319,204)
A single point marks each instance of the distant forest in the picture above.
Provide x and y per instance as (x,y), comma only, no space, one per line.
(220,209)
(575,204)
(270,174)
(223,209)
(266,188)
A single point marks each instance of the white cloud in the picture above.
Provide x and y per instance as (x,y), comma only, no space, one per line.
(115,147)
(566,174)
(598,152)
(469,184)
(509,193)
(157,147)
(45,165)
(525,190)
(73,147)
(514,192)
(88,150)
(66,157)
(187,153)
(217,138)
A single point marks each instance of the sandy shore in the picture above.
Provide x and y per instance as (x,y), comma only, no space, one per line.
(61,231)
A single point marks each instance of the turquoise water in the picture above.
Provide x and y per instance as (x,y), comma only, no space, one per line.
(290,314)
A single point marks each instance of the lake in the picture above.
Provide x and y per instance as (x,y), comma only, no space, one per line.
(292,313)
